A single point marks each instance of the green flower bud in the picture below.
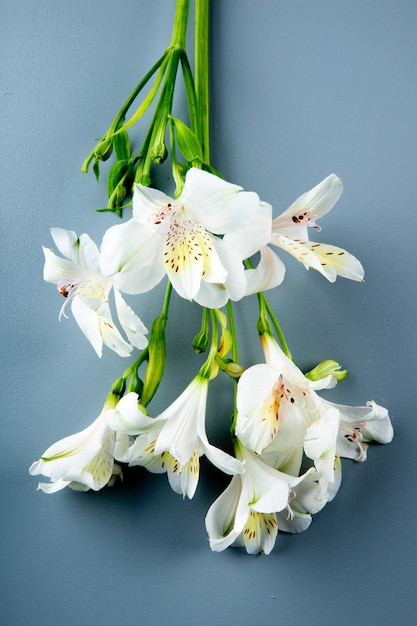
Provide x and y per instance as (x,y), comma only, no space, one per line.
(327,368)
(156,361)
(234,370)
(103,150)
(200,342)
(159,153)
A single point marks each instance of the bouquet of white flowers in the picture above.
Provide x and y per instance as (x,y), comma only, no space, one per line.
(213,243)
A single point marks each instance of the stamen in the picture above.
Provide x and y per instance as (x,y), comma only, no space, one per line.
(162,214)
(354,435)
(67,290)
(291,496)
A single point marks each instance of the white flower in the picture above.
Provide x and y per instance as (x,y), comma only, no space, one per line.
(80,281)
(246,512)
(275,397)
(82,461)
(281,416)
(290,232)
(360,425)
(173,441)
(198,240)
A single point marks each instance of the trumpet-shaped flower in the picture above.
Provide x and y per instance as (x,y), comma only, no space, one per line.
(198,240)
(246,512)
(281,416)
(276,397)
(173,441)
(290,232)
(79,280)
(82,461)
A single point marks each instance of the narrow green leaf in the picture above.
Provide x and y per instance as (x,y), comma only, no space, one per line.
(187,141)
(122,146)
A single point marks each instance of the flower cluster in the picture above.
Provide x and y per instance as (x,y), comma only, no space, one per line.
(287,439)
(212,243)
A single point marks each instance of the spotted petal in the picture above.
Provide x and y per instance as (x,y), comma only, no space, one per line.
(311,205)
(132,325)
(190,255)
(99,328)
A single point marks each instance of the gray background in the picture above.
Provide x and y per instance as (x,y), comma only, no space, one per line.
(299,89)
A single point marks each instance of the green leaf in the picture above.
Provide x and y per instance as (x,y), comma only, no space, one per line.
(121,144)
(116,174)
(96,169)
(188,142)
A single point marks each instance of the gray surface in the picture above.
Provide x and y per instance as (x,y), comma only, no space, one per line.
(300,89)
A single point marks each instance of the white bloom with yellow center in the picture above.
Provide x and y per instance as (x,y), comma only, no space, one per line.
(80,281)
(290,232)
(199,240)
(173,441)
(82,461)
(246,512)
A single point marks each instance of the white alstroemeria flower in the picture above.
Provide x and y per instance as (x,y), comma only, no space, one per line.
(79,280)
(276,397)
(360,425)
(290,232)
(173,441)
(307,499)
(343,431)
(281,416)
(82,461)
(246,512)
(198,239)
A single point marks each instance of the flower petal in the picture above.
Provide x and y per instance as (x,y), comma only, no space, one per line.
(257,406)
(184,478)
(266,489)
(189,256)
(130,322)
(335,260)
(178,435)
(213,201)
(215,294)
(260,532)
(127,418)
(99,328)
(220,519)
(81,250)
(225,462)
(250,238)
(302,253)
(268,274)
(295,523)
(149,202)
(134,255)
(316,202)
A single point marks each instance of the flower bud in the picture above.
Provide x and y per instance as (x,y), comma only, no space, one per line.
(159,153)
(103,150)
(327,368)
(234,370)
(200,341)
(156,361)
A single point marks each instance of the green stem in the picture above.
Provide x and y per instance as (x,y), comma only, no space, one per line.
(202,74)
(179,31)
(190,93)
(167,298)
(232,325)
(235,357)
(264,306)
(205,370)
(263,302)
